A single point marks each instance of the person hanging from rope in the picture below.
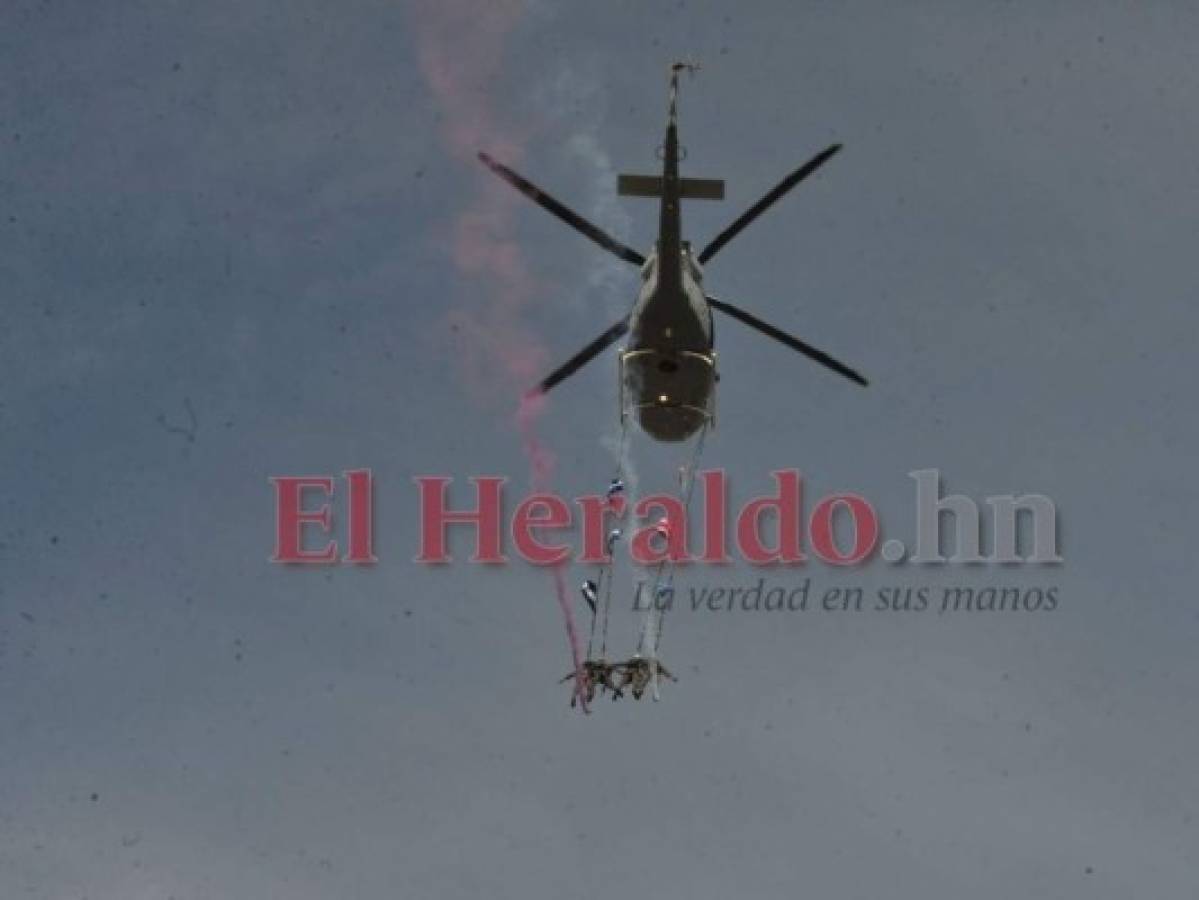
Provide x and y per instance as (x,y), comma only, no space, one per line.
(661,534)
(613,536)
(596,674)
(639,672)
(615,490)
(590,592)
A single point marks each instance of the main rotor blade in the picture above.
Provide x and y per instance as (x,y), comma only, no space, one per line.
(584,356)
(793,342)
(571,218)
(766,202)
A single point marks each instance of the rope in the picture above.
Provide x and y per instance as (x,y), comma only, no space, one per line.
(604,574)
(663,574)
(654,617)
(688,491)
(607,606)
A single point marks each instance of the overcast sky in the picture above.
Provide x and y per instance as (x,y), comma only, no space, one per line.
(245,239)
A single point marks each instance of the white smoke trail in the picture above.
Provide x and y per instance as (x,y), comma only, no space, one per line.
(607,284)
(579,86)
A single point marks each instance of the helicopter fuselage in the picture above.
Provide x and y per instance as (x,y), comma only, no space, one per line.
(668,370)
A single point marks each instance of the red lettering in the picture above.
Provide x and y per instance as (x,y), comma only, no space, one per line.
(361,518)
(865,529)
(540,511)
(291,517)
(786,506)
(715,511)
(435,519)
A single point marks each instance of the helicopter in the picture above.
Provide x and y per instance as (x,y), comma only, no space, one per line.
(668,368)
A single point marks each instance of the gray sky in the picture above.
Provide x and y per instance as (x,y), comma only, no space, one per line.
(257,211)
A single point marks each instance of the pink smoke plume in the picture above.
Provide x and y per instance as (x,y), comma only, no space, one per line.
(541,466)
(460,47)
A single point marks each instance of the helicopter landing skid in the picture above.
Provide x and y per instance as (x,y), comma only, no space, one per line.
(681,383)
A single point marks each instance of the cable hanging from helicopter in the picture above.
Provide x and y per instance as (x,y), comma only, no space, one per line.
(643,670)
(668,367)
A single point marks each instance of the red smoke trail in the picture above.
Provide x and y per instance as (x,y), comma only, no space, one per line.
(460,48)
(541,466)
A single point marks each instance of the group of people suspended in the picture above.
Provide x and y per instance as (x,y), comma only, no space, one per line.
(642,672)
(599,675)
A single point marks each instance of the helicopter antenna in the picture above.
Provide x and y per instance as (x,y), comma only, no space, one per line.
(675,69)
